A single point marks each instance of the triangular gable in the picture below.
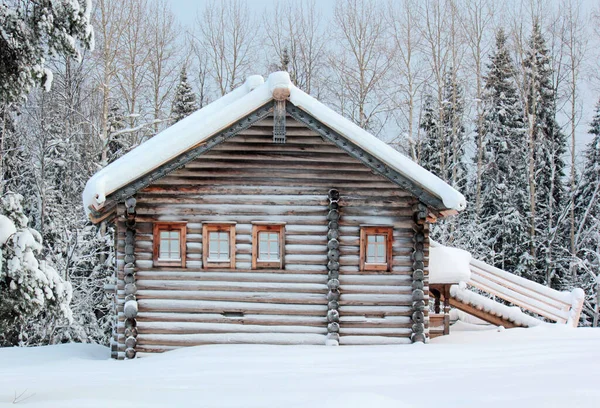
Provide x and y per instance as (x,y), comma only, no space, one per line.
(224,118)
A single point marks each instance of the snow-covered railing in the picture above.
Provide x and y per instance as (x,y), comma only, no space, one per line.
(561,307)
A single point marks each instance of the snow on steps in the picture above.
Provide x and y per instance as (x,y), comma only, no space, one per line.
(512,314)
(561,307)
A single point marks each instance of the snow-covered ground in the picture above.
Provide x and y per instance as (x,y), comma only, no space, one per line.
(536,367)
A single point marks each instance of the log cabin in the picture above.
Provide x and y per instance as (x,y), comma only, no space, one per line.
(266,217)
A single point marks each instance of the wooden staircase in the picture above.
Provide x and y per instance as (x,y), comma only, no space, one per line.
(548,304)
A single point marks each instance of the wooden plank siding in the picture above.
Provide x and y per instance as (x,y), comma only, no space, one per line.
(248,179)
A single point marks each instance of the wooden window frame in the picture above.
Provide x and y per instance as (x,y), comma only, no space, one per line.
(376,230)
(256,230)
(207,228)
(169,226)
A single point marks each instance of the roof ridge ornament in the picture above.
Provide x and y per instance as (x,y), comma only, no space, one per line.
(279,121)
(279,86)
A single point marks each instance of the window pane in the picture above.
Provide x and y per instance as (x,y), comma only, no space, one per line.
(164,234)
(274,248)
(371,250)
(174,234)
(224,249)
(381,252)
(370,238)
(380,238)
(175,248)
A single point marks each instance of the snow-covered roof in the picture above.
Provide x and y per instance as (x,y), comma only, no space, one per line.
(448,265)
(254,93)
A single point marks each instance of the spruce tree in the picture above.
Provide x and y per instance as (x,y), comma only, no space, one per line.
(442,148)
(504,201)
(548,145)
(31,290)
(31,32)
(453,131)
(429,152)
(184,102)
(587,218)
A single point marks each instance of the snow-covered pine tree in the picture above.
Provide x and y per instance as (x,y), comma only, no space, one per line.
(454,135)
(547,145)
(429,146)
(90,263)
(184,102)
(117,145)
(29,287)
(587,220)
(31,32)
(442,147)
(502,220)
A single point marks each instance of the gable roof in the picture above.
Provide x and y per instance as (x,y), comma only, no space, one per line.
(195,130)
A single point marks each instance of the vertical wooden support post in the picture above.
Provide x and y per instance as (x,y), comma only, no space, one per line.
(131,307)
(333,268)
(418,257)
(447,310)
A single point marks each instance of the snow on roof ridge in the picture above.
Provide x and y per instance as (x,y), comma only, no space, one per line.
(451,198)
(254,93)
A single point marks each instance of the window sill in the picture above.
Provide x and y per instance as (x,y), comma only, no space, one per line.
(375,267)
(269,264)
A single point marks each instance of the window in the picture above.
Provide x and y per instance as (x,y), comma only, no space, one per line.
(268,246)
(376,248)
(218,245)
(169,244)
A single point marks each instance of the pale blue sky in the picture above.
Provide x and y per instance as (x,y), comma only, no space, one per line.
(186,10)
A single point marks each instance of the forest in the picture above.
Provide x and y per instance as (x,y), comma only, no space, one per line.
(499,99)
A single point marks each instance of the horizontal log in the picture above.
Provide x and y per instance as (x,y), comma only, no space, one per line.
(199,306)
(227,210)
(375,331)
(145,328)
(241,190)
(184,340)
(246,318)
(362,321)
(230,276)
(375,311)
(233,199)
(147,350)
(373,340)
(373,279)
(373,299)
(374,289)
(272,181)
(274,163)
(248,286)
(254,297)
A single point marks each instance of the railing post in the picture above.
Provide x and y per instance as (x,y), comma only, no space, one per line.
(578,296)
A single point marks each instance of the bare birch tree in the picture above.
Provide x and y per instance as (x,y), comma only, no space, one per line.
(298,37)
(479,16)
(362,62)
(165,57)
(227,32)
(409,64)
(133,62)
(109,22)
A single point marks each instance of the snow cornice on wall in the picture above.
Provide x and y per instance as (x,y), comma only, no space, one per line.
(217,116)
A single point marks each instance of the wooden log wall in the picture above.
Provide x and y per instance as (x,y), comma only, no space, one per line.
(248,179)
